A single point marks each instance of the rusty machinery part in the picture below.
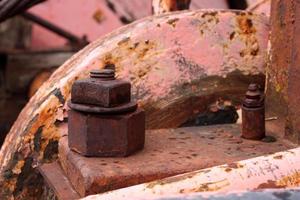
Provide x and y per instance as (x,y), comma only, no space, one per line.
(253,114)
(105,74)
(102,90)
(37,124)
(104,122)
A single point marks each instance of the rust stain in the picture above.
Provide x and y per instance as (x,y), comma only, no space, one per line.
(173,22)
(124,41)
(210,15)
(247,32)
(235,165)
(138,51)
(278,157)
(208,187)
(269,184)
(292,180)
(245,24)
(228,170)
(206,22)
(98,16)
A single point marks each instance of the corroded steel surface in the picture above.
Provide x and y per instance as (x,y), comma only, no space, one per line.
(284,71)
(110,135)
(253,114)
(167,152)
(101,91)
(280,170)
(103,121)
(177,64)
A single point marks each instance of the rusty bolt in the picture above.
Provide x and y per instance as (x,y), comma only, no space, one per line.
(101,89)
(253,114)
(101,124)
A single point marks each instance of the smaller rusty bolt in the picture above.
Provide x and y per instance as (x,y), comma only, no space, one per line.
(253,114)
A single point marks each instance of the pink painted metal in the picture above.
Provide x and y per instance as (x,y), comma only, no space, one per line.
(280,170)
(82,17)
(206,4)
(91,18)
(260,6)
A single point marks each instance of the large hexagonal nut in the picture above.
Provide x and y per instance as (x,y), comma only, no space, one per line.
(106,135)
(101,93)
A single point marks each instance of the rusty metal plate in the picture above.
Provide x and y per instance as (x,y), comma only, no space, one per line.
(57,181)
(167,152)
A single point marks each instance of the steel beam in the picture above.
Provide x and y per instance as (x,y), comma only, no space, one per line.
(284,71)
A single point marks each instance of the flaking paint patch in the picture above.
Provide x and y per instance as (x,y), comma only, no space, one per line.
(207,187)
(174,179)
(59,95)
(38,138)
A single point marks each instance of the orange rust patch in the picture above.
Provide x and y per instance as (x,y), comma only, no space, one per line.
(213,14)
(228,170)
(206,22)
(245,24)
(235,165)
(124,41)
(292,180)
(247,32)
(98,16)
(139,51)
